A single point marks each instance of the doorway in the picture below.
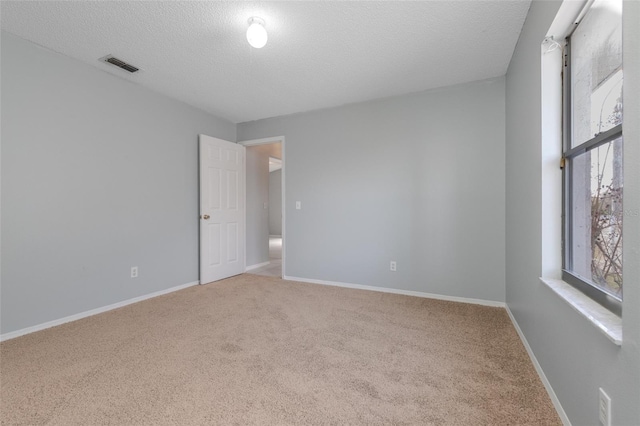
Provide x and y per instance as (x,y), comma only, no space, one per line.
(265,218)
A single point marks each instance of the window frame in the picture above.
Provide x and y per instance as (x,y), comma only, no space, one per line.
(609,301)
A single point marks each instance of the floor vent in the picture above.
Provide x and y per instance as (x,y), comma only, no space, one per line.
(110,59)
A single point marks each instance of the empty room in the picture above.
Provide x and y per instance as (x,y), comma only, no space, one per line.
(320,212)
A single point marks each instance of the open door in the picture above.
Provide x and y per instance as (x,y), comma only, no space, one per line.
(222,209)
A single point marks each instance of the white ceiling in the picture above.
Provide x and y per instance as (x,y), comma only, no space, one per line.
(320,54)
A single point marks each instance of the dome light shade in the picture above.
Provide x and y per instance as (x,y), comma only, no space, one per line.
(256,33)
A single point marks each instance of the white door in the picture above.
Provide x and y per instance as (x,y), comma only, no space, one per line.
(222,209)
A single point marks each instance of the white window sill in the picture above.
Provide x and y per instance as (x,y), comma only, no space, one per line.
(603,319)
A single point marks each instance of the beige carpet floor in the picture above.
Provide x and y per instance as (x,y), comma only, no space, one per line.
(259,350)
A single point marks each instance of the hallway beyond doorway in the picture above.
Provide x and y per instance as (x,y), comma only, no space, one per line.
(274,268)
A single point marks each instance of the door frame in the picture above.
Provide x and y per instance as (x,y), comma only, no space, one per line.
(266,141)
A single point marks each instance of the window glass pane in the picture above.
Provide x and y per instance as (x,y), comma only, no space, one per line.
(596,71)
(596,228)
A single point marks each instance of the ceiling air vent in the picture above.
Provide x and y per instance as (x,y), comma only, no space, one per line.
(119,63)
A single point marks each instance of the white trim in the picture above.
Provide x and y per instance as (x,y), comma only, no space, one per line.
(275,236)
(567,18)
(264,141)
(398,291)
(49,324)
(554,399)
(256,266)
(550,154)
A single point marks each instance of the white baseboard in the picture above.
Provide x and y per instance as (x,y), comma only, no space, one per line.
(256,266)
(49,324)
(543,377)
(396,291)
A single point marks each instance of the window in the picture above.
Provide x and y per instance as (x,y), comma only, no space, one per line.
(592,155)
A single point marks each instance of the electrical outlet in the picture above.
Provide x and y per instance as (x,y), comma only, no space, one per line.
(134,272)
(392,266)
(265,205)
(604,408)
(298,205)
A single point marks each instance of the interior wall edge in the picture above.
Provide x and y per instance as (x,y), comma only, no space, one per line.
(547,385)
(92,312)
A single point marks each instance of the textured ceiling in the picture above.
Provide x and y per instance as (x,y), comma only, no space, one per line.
(320,54)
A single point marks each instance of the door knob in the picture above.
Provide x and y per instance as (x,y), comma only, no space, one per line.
(205,217)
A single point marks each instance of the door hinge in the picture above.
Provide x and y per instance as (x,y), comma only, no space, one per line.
(562,162)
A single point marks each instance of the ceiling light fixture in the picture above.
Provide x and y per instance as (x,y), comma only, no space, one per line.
(256,33)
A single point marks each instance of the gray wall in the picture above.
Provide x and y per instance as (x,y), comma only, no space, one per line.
(98,175)
(576,357)
(257,196)
(257,215)
(418,179)
(275,202)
